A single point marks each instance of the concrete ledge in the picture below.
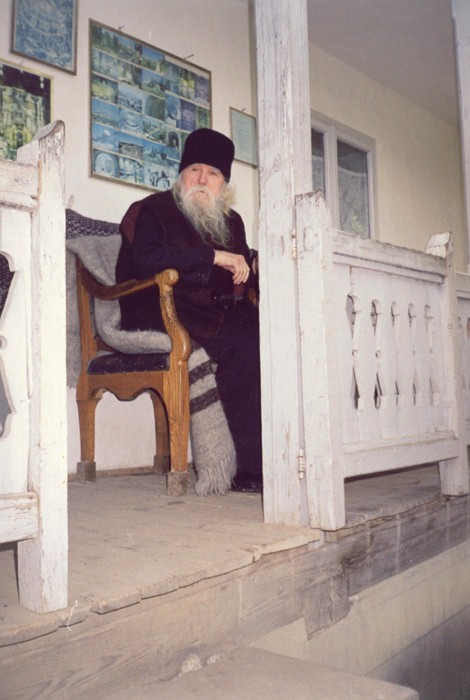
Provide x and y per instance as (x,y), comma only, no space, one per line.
(255,674)
(409,606)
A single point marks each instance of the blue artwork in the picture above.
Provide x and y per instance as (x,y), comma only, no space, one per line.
(144,103)
(25,107)
(46,32)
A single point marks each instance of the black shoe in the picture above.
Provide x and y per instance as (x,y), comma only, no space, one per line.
(244,482)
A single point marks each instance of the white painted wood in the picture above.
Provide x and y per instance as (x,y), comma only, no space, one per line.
(461,15)
(42,561)
(321,390)
(463,305)
(381,349)
(18,184)
(285,170)
(387,455)
(15,354)
(383,257)
(18,517)
(463,285)
(464,330)
(395,360)
(454,472)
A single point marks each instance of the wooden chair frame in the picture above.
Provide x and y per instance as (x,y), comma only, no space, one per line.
(168,388)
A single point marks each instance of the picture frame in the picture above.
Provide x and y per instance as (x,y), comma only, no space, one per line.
(243,132)
(144,102)
(25,101)
(46,32)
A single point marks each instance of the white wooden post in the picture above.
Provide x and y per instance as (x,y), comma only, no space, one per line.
(461,15)
(42,561)
(453,473)
(463,302)
(322,410)
(285,170)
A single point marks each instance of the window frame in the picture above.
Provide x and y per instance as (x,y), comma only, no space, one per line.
(333,132)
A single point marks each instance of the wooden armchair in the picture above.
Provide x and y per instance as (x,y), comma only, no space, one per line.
(164,375)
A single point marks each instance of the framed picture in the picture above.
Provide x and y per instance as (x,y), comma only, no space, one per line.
(243,131)
(46,32)
(25,107)
(144,102)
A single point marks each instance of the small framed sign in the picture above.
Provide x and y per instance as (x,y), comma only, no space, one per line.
(243,130)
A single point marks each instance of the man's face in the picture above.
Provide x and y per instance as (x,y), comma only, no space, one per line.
(202,181)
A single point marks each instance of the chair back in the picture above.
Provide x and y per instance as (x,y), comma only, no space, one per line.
(90,341)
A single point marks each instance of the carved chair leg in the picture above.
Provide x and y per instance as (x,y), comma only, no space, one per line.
(161,460)
(86,468)
(177,395)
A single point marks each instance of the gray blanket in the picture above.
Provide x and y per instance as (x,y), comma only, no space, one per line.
(97,245)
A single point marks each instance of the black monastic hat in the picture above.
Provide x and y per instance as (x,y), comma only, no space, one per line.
(210,148)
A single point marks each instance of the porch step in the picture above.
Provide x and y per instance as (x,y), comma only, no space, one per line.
(255,674)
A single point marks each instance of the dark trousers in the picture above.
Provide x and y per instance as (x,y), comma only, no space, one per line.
(236,352)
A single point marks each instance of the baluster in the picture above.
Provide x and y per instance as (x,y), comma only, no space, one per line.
(423,349)
(365,361)
(386,369)
(347,377)
(356,315)
(405,366)
(434,388)
(395,319)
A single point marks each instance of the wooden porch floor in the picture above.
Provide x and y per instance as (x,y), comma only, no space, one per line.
(154,577)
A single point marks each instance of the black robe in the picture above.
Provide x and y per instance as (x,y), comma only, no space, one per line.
(162,237)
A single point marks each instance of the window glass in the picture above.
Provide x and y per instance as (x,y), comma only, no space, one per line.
(343,170)
(353,189)
(318,161)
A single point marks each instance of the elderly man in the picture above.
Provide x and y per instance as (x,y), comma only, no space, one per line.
(194,230)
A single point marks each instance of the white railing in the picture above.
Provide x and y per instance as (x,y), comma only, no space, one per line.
(382,352)
(33,445)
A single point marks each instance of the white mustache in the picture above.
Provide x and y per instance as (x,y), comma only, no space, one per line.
(199,188)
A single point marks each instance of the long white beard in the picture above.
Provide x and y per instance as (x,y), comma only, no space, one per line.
(207,214)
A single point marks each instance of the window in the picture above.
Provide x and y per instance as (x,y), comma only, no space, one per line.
(342,167)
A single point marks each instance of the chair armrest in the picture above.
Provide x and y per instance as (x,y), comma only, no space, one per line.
(165,281)
(108,292)
(181,342)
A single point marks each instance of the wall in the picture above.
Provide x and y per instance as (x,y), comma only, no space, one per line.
(419,182)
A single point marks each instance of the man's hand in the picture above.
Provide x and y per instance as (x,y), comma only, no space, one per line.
(236,264)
